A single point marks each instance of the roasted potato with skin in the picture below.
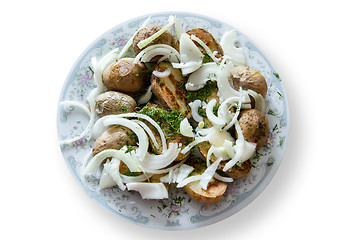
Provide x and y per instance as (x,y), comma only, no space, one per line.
(208,39)
(255,126)
(250,78)
(212,195)
(115,137)
(170,90)
(112,102)
(144,33)
(125,76)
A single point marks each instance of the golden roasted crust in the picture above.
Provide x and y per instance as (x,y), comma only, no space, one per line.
(170,90)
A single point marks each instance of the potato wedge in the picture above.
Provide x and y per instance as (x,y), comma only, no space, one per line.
(170,90)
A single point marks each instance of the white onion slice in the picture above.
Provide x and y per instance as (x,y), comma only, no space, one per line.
(194,110)
(163,74)
(155,50)
(149,190)
(222,179)
(185,128)
(225,90)
(146,96)
(189,180)
(260,104)
(155,162)
(208,173)
(230,45)
(95,162)
(194,143)
(148,131)
(197,80)
(210,115)
(106,181)
(112,168)
(178,174)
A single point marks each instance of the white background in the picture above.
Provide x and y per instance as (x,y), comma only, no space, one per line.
(314,45)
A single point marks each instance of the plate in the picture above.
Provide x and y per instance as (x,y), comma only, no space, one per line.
(179,211)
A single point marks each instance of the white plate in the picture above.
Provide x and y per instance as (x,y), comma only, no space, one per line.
(179,211)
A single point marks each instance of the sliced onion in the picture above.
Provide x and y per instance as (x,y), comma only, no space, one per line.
(146,96)
(149,190)
(148,131)
(185,128)
(222,179)
(166,170)
(194,110)
(177,175)
(106,180)
(189,180)
(260,104)
(150,52)
(131,179)
(208,174)
(197,80)
(95,162)
(155,162)
(163,74)
(229,45)
(225,90)
(210,115)
(194,143)
(112,168)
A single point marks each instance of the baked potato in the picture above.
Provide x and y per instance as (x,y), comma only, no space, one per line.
(170,90)
(112,102)
(208,39)
(115,137)
(255,126)
(250,78)
(144,33)
(125,76)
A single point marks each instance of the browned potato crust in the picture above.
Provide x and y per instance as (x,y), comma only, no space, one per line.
(208,39)
(112,102)
(255,126)
(115,137)
(170,91)
(212,195)
(250,78)
(125,76)
(144,33)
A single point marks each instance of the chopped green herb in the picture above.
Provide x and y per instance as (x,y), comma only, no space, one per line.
(203,93)
(276,74)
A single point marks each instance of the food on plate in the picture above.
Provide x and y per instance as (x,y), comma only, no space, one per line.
(125,76)
(195,122)
(255,126)
(113,102)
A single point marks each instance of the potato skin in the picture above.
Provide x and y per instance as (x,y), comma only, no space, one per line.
(144,33)
(112,102)
(255,126)
(125,76)
(170,91)
(250,78)
(115,137)
(212,195)
(208,39)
